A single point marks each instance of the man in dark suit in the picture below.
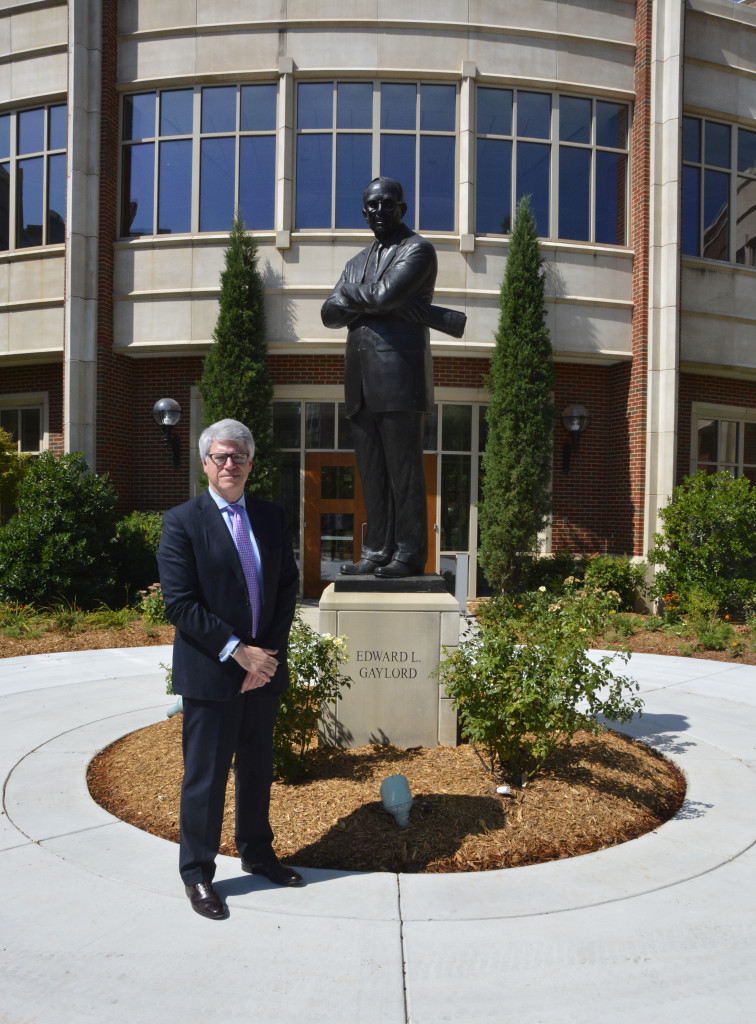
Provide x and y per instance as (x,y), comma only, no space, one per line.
(384,298)
(229,580)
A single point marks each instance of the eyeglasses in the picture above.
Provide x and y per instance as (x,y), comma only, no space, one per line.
(387,204)
(219,458)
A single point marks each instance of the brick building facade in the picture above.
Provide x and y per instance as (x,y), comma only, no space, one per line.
(632,125)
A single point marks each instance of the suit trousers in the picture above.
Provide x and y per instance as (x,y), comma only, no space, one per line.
(214,733)
(389,451)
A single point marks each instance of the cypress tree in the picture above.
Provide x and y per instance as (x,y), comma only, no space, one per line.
(236,381)
(516,497)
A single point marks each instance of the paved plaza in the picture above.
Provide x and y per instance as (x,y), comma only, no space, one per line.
(95,927)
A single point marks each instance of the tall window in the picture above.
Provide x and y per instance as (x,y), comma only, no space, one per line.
(727,443)
(23,421)
(517,155)
(513,158)
(350,132)
(227,132)
(719,191)
(33,177)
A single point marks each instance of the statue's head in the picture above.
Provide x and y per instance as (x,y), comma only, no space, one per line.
(383,207)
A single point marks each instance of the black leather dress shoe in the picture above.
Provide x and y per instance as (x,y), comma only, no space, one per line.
(395,569)
(364,567)
(206,901)
(274,871)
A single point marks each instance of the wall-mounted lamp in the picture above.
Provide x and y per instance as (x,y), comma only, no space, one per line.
(575,419)
(166,413)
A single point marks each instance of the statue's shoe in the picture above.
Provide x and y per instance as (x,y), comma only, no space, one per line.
(396,569)
(365,567)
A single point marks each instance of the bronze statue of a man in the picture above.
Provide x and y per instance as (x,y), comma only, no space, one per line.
(384,298)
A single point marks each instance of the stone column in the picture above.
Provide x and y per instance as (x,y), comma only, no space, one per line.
(82,225)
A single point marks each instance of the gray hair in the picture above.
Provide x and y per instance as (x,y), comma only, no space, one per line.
(226,430)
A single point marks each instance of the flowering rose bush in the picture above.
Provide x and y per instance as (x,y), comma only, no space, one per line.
(523,681)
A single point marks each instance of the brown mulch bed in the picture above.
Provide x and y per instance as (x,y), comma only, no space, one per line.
(54,642)
(598,792)
(644,642)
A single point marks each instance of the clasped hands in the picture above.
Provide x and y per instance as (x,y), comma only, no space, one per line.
(259,663)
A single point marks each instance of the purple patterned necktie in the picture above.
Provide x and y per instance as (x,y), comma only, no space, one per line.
(249,566)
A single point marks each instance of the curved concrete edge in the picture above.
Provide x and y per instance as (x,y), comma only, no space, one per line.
(47,802)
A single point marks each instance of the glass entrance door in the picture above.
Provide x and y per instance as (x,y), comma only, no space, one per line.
(335,516)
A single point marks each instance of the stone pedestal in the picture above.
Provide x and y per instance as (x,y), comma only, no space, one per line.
(394,630)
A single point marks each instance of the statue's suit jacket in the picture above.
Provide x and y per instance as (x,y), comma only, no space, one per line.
(206,594)
(388,365)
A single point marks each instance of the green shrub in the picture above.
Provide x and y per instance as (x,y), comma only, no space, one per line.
(550,571)
(168,669)
(19,621)
(713,634)
(58,545)
(701,608)
(315,662)
(524,684)
(112,618)
(618,573)
(708,541)
(627,625)
(66,617)
(716,637)
(135,551)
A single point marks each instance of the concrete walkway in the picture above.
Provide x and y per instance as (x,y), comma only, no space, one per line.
(94,925)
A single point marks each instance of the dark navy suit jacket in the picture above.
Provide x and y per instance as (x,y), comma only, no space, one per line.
(206,595)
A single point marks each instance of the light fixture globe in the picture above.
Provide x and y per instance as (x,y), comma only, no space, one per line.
(166,412)
(576,419)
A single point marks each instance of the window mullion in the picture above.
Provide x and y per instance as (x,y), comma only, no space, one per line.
(13,184)
(465,188)
(195,200)
(418,142)
(376,130)
(237,148)
(701,190)
(334,153)
(156,167)
(554,168)
(732,241)
(592,178)
(45,172)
